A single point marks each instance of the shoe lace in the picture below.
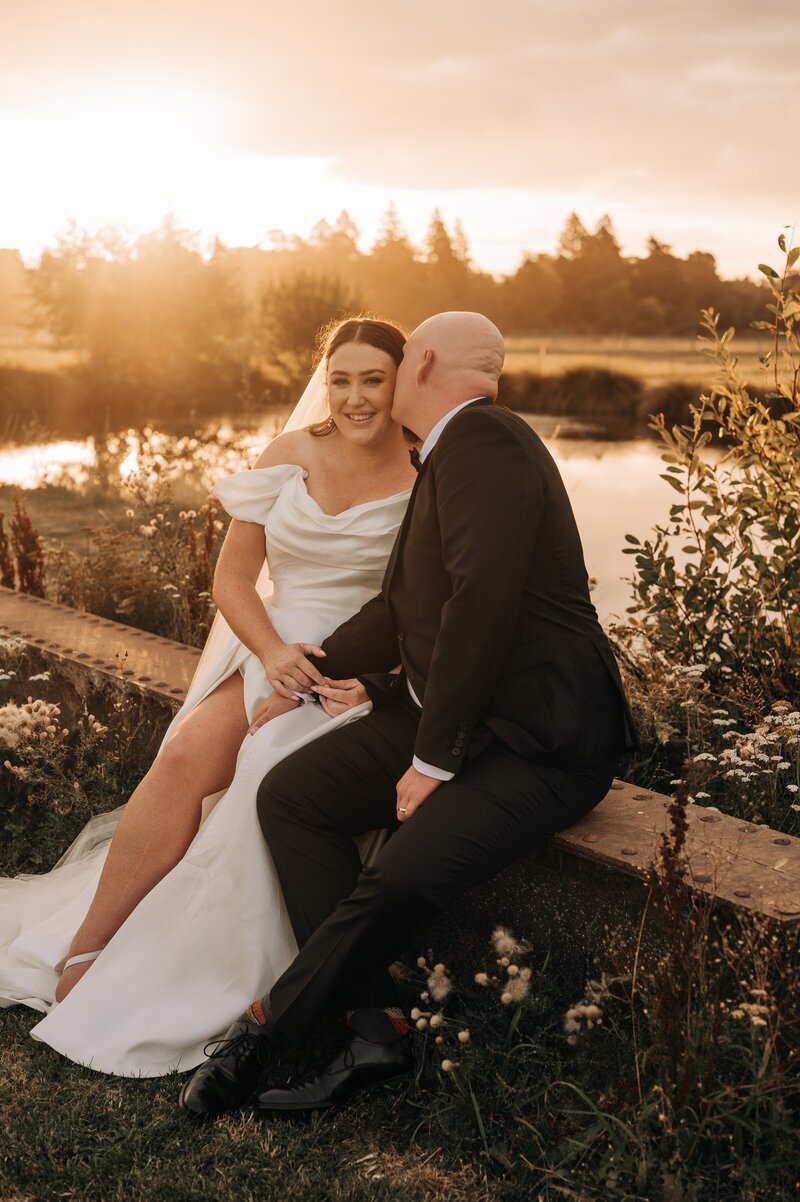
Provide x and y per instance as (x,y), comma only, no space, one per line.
(240,1046)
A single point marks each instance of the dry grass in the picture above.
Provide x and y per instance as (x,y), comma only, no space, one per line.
(656,361)
(33,350)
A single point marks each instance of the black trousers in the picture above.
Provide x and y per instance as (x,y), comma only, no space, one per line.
(351,924)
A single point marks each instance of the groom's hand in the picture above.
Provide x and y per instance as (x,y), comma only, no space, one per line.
(338,696)
(412,790)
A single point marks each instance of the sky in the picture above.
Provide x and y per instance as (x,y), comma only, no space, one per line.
(248,116)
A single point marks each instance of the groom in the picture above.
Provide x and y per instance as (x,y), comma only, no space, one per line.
(505,723)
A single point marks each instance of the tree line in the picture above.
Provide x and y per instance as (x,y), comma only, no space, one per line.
(165,313)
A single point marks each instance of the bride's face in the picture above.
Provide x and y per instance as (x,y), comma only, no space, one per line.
(361,383)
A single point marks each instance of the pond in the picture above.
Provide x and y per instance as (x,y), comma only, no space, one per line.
(613,483)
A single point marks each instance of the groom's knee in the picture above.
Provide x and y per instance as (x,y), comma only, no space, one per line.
(282,794)
(397,888)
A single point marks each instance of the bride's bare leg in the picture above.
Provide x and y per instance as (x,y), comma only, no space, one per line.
(162,817)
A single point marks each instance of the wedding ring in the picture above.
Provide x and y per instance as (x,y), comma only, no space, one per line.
(402,809)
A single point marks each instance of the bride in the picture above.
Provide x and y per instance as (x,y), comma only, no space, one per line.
(164,930)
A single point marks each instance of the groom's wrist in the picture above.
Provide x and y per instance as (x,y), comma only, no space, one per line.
(431,770)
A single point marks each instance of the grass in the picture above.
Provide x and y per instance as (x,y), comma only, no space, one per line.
(655,361)
(71,1133)
(34,350)
(67,514)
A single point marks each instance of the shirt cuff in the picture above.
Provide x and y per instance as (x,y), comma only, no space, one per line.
(431,770)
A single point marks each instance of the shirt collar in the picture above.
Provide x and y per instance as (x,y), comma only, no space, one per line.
(432,439)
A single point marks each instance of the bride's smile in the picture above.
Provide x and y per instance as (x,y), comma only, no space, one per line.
(361,381)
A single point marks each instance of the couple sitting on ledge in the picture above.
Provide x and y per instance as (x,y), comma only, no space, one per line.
(406,685)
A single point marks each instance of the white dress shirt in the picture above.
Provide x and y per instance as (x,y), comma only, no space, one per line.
(425,450)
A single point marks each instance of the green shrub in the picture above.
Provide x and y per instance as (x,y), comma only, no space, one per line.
(719,586)
(155,573)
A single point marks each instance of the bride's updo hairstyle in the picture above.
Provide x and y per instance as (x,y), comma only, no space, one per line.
(383,335)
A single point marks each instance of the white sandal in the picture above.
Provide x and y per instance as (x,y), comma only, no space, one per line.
(83,958)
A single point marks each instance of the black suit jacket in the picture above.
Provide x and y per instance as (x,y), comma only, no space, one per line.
(485,602)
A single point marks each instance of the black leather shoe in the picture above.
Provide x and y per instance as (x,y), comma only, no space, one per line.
(359,1066)
(231,1073)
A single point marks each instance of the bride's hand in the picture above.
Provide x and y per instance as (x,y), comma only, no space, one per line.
(273,707)
(338,696)
(288,670)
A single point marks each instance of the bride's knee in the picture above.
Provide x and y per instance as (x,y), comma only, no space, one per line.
(177,758)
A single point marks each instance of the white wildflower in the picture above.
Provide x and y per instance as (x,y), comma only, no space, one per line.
(439,983)
(516,990)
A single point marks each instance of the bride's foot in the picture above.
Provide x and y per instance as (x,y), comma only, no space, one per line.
(74,968)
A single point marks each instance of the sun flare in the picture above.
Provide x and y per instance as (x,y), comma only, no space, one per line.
(124,155)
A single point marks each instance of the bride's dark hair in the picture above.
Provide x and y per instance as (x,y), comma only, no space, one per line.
(383,335)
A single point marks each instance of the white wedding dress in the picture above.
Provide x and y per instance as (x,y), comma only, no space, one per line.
(214,933)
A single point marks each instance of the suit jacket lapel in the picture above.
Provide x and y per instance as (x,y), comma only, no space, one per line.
(401,534)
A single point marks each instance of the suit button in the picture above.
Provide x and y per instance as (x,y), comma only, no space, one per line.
(456,751)
(459,742)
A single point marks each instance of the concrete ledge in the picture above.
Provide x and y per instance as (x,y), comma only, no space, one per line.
(745,867)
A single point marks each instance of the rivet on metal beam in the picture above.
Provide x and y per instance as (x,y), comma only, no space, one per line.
(161,684)
(741,893)
(628,851)
(709,818)
(703,877)
(782,841)
(591,838)
(145,679)
(177,692)
(642,796)
(617,784)
(789,908)
(747,830)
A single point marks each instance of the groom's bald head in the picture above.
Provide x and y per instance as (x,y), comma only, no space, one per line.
(448,359)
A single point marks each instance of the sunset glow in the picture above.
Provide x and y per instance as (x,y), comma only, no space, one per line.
(248,120)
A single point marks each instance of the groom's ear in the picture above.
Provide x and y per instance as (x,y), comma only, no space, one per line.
(425,367)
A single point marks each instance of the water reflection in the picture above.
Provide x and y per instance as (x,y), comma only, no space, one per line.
(613,484)
(47,463)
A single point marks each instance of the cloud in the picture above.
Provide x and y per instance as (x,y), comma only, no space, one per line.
(673,105)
